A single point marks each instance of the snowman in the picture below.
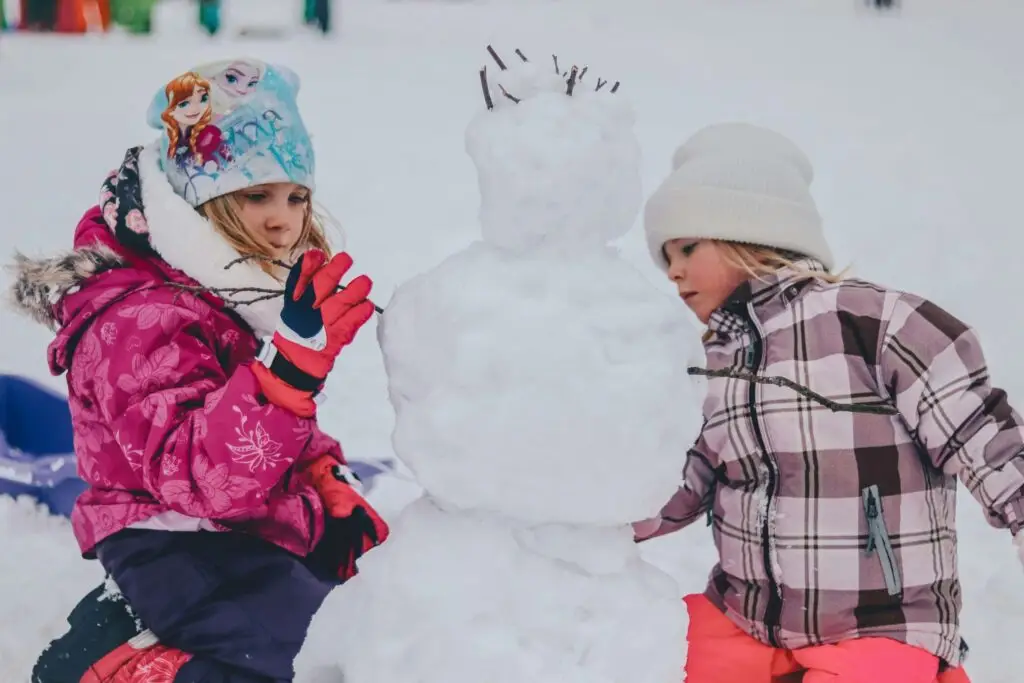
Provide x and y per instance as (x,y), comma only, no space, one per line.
(543,403)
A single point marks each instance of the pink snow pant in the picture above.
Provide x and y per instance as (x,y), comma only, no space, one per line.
(719,652)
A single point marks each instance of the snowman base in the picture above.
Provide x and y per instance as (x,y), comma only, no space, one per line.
(453,597)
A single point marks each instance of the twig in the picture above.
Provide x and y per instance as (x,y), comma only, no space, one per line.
(600,84)
(228,294)
(877,408)
(521,56)
(501,64)
(572,81)
(487,92)
(583,73)
(557,70)
(256,257)
(507,94)
(615,87)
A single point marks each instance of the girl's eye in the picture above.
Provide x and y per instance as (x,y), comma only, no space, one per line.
(689,248)
(205,98)
(255,197)
(231,78)
(182,104)
(253,83)
(298,199)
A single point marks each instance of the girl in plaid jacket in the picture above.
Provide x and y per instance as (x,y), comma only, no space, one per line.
(838,417)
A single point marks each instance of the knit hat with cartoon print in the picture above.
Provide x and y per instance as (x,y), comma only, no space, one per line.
(741,183)
(229,125)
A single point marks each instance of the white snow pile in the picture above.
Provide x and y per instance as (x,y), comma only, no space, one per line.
(543,402)
(44,576)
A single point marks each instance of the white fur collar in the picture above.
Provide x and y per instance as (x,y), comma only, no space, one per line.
(187,242)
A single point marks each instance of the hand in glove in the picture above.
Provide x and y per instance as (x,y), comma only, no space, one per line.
(317,322)
(353,527)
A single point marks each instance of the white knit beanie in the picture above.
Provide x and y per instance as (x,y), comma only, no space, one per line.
(742,183)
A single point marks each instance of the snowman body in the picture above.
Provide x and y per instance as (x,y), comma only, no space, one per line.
(543,403)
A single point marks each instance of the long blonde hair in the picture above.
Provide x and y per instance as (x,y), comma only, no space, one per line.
(759,261)
(222,212)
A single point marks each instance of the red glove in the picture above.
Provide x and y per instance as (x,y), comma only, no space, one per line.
(317,322)
(353,527)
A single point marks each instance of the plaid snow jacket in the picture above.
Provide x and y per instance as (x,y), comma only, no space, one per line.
(834,523)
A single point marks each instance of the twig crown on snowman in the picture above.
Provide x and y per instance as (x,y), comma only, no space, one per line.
(572,77)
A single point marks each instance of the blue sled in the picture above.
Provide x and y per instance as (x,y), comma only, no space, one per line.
(37,454)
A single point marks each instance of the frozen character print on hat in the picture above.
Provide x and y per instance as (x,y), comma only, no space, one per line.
(228,123)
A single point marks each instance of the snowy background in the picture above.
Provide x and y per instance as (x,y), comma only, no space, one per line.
(912,120)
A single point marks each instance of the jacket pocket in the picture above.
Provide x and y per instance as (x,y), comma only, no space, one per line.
(878,540)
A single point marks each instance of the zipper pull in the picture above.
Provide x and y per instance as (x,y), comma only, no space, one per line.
(871,512)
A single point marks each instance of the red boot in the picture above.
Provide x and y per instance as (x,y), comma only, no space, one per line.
(957,675)
(141,660)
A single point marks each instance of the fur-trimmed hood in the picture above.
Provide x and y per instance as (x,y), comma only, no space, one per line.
(39,284)
(142,225)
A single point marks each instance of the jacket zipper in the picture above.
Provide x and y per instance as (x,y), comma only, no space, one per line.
(878,540)
(773,611)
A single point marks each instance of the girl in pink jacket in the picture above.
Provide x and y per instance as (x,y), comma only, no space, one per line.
(197,318)
(839,415)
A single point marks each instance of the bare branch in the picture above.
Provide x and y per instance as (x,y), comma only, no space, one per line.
(875,407)
(487,92)
(501,64)
(257,257)
(557,70)
(572,81)
(506,94)
(600,84)
(583,72)
(615,87)
(521,56)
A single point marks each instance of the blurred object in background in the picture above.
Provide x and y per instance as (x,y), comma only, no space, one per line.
(209,16)
(318,14)
(134,16)
(38,15)
(249,19)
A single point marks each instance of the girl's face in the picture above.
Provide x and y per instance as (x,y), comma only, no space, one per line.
(704,279)
(276,212)
(191,109)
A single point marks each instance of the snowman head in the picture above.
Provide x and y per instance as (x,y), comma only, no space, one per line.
(557,159)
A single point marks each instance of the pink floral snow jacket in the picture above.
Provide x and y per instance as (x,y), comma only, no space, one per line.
(170,427)
(834,524)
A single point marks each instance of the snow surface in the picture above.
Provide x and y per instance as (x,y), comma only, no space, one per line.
(912,121)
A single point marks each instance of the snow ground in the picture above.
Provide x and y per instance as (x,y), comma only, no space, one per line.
(911,119)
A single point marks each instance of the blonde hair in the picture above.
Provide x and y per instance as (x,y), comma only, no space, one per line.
(223,214)
(758,261)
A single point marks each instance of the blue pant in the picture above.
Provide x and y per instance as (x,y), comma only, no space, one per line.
(239,605)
